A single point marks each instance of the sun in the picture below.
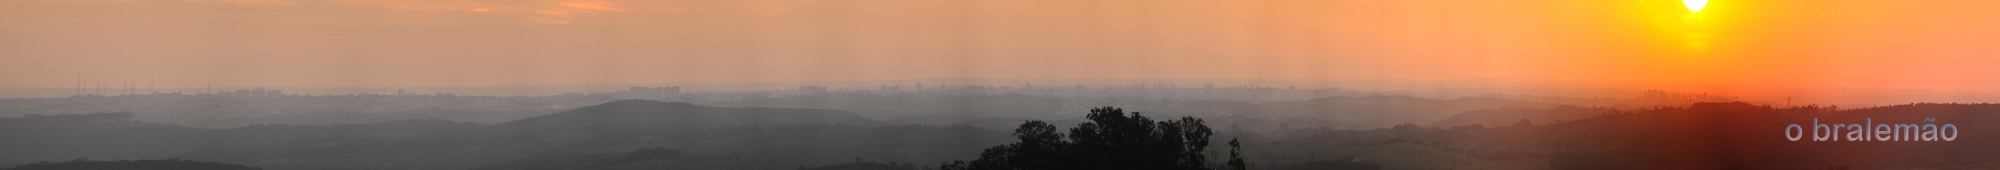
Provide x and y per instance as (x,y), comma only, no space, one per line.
(1695,5)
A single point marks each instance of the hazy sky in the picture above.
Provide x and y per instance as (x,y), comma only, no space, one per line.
(1917,44)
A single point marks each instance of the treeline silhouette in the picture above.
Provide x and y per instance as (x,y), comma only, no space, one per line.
(1110,140)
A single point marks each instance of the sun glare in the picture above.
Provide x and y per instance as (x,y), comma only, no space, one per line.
(1695,5)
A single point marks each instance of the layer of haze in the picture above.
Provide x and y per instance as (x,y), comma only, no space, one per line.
(1896,44)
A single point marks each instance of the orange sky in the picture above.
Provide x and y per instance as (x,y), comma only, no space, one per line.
(1909,44)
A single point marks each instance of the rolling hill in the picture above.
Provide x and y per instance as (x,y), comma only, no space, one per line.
(644,114)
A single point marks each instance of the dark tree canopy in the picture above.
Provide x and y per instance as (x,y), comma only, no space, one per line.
(1110,140)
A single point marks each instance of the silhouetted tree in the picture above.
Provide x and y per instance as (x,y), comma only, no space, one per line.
(1236,156)
(1110,140)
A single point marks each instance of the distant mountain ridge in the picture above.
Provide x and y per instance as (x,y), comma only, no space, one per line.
(1367,112)
(714,135)
(645,114)
(1509,116)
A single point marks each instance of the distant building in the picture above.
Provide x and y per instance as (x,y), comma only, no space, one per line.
(274,93)
(1663,95)
(812,89)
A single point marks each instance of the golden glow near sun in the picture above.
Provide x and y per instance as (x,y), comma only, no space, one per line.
(1695,35)
(1696,30)
(1695,5)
